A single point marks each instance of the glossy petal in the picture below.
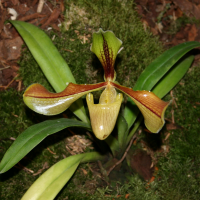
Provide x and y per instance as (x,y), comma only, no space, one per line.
(106,46)
(103,116)
(39,99)
(152,107)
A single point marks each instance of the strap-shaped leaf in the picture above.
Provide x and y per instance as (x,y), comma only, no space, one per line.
(49,184)
(49,59)
(113,144)
(155,72)
(165,85)
(173,77)
(32,137)
(159,67)
(122,127)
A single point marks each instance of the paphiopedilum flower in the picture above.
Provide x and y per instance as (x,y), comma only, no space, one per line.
(103,116)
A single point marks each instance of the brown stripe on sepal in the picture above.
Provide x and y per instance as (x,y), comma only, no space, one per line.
(151,106)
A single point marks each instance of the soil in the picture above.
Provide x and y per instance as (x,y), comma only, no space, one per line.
(162,17)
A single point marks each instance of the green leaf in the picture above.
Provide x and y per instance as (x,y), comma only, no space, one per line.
(122,127)
(113,143)
(159,67)
(155,72)
(48,185)
(49,59)
(173,77)
(32,137)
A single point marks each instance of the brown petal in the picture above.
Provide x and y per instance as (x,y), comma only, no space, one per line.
(151,106)
(44,102)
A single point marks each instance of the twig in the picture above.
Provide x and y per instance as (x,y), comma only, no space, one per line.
(125,153)
(5,87)
(90,136)
(4,68)
(1,6)
(48,7)
(50,151)
(173,99)
(32,16)
(103,172)
(45,166)
(68,50)
(19,86)
(11,138)
(51,11)
(40,6)
(20,166)
(69,150)
(173,121)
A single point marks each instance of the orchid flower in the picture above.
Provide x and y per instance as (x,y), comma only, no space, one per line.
(103,116)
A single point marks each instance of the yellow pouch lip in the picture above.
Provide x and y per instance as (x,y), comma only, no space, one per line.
(103,116)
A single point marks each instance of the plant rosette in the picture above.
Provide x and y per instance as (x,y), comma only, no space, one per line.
(154,83)
(104,115)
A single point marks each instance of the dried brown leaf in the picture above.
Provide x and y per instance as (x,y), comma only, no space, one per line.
(189,8)
(13,48)
(53,17)
(15,2)
(192,34)
(32,16)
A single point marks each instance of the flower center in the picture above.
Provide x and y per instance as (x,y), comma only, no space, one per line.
(108,95)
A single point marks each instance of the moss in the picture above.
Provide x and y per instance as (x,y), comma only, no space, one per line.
(187,115)
(13,118)
(184,20)
(30,71)
(181,166)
